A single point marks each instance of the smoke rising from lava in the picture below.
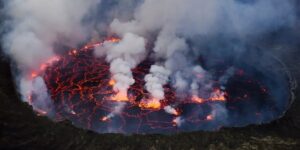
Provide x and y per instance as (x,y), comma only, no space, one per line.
(173,34)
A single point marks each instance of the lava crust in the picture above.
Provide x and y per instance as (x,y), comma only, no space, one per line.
(81,89)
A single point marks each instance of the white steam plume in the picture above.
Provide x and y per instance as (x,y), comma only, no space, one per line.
(34,28)
(170,110)
(118,108)
(42,101)
(38,24)
(155,80)
(123,56)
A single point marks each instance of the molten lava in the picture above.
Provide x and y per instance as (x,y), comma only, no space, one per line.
(150,104)
(81,88)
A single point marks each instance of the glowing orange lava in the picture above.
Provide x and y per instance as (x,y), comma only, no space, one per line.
(83,89)
(112,82)
(209,117)
(113,39)
(120,97)
(218,95)
(104,119)
(150,104)
(197,99)
(34,74)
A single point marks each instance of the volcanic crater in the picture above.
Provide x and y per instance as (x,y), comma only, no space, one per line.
(81,90)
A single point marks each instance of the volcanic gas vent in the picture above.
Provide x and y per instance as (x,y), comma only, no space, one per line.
(233,94)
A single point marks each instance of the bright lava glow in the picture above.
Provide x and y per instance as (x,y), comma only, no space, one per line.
(81,88)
